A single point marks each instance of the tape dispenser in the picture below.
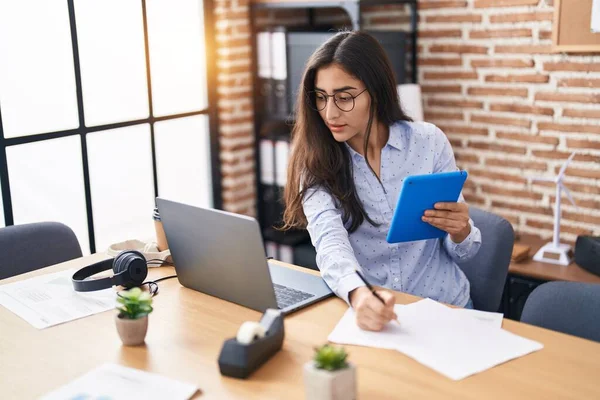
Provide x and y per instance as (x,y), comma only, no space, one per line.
(255,343)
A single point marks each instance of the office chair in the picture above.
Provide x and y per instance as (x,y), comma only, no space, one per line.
(487,270)
(28,247)
(568,307)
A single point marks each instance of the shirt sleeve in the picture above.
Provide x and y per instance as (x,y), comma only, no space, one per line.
(335,256)
(445,162)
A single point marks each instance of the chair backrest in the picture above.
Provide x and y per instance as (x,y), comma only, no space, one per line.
(568,307)
(488,269)
(28,247)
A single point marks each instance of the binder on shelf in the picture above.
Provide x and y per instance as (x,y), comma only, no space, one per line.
(271,249)
(286,253)
(267,162)
(282,155)
(266,98)
(279,72)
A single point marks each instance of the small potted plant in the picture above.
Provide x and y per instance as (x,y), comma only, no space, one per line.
(329,376)
(132,319)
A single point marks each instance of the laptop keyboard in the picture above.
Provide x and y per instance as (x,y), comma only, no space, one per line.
(287,296)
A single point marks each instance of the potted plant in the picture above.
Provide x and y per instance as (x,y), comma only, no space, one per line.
(132,319)
(329,376)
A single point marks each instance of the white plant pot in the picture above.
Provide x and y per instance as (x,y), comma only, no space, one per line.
(320,384)
(132,331)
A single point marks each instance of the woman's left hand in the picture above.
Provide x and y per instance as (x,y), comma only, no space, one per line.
(452,218)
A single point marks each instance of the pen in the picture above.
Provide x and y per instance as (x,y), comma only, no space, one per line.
(372,290)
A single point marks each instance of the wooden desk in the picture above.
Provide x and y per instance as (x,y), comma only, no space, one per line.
(549,272)
(187,330)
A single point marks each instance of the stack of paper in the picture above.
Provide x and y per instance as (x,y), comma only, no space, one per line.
(111,381)
(453,342)
(50,299)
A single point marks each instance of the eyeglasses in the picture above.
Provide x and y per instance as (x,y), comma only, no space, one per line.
(343,100)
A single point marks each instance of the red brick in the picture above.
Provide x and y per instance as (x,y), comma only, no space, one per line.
(572,66)
(429,4)
(441,62)
(582,203)
(500,33)
(434,115)
(525,49)
(463,130)
(510,107)
(563,227)
(504,3)
(581,113)
(499,190)
(579,217)
(561,155)
(486,119)
(588,98)
(545,35)
(461,49)
(441,19)
(522,17)
(441,89)
(522,207)
(550,126)
(465,157)
(582,173)
(494,91)
(508,163)
(450,75)
(532,78)
(528,138)
(476,172)
(454,33)
(582,144)
(455,103)
(498,147)
(502,63)
(586,83)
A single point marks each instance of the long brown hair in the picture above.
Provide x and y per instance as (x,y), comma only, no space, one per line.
(317,159)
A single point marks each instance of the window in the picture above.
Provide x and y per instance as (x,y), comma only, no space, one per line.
(104,105)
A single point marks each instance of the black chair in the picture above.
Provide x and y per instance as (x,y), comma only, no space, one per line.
(568,307)
(29,247)
(487,271)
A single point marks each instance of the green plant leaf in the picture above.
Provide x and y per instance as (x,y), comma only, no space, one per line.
(330,358)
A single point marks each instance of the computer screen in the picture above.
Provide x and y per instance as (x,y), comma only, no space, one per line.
(301,45)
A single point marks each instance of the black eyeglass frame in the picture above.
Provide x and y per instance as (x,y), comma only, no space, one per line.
(313,100)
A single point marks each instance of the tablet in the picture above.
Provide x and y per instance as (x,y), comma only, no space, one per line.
(420,193)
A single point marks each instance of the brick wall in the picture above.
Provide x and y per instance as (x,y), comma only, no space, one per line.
(234,90)
(510,107)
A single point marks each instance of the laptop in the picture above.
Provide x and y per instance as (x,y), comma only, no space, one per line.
(222,254)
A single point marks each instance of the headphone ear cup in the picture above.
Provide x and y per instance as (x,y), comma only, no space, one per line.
(135,266)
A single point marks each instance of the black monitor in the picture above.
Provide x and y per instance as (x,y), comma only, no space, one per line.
(301,45)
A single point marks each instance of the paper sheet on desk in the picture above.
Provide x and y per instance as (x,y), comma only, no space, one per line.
(111,381)
(452,343)
(49,299)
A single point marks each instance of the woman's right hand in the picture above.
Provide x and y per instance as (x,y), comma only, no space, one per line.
(371,314)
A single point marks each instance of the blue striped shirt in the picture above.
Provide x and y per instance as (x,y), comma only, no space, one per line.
(425,268)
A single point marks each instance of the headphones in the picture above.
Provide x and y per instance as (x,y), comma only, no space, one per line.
(130,269)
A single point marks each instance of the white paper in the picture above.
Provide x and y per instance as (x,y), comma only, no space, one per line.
(452,343)
(410,100)
(264,54)
(111,381)
(50,299)
(595,22)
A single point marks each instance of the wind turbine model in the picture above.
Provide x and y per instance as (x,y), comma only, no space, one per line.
(556,252)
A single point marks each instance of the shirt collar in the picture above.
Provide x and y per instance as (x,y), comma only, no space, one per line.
(394,140)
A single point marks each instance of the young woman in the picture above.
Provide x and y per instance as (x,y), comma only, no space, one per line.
(352,148)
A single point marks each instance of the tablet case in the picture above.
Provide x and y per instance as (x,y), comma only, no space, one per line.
(420,193)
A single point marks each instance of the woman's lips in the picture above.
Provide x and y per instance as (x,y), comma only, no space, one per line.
(336,128)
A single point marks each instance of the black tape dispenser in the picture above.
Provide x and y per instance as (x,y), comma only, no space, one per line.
(255,343)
